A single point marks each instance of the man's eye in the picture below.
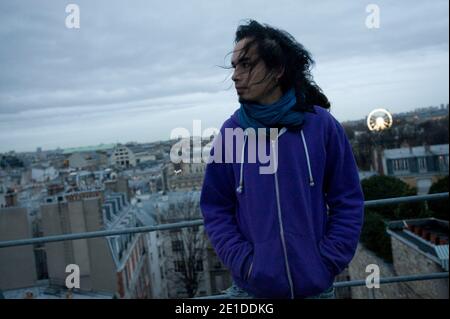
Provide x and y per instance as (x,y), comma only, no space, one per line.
(245,65)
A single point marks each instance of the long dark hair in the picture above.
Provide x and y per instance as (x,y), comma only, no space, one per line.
(278,49)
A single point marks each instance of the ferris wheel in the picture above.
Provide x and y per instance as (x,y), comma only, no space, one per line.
(379,119)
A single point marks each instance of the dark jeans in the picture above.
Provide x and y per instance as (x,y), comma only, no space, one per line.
(235,292)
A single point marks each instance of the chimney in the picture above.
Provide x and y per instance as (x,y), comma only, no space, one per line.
(29,295)
(434,238)
(418,231)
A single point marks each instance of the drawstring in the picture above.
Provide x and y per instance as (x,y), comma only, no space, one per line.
(241,174)
(311,180)
(240,188)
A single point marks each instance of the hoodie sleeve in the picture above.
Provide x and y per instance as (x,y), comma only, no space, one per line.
(345,201)
(218,203)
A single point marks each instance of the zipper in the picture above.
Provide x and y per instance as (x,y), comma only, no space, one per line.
(283,242)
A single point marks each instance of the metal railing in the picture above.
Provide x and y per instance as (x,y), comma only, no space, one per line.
(197,222)
(356,283)
(179,225)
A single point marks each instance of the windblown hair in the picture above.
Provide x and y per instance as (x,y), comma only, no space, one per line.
(278,49)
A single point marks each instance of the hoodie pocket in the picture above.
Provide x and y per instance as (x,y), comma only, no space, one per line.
(267,276)
(310,275)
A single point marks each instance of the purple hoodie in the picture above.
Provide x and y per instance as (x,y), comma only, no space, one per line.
(286,234)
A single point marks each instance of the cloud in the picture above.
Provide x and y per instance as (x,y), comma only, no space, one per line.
(130,59)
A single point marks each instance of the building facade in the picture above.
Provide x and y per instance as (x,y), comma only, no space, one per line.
(419,166)
(17,264)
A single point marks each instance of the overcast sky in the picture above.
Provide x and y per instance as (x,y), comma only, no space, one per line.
(135,70)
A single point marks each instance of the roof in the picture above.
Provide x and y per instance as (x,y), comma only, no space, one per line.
(82,149)
(46,292)
(438,252)
(138,148)
(417,151)
(442,253)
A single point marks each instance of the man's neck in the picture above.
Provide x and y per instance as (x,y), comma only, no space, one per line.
(272,96)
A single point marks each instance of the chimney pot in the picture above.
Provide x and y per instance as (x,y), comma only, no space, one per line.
(418,231)
(433,238)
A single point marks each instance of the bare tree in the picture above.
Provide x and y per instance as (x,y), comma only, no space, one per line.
(188,245)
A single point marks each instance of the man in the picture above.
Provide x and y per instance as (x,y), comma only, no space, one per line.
(289,232)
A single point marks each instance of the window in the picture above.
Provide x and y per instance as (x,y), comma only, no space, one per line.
(443,162)
(405,164)
(199,265)
(143,250)
(422,163)
(107,211)
(219,282)
(401,164)
(131,265)
(179,266)
(134,259)
(127,276)
(128,272)
(177,245)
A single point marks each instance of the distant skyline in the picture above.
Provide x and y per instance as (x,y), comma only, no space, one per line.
(162,140)
(134,71)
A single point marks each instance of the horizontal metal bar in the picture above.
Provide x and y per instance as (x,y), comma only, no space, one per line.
(404,199)
(354,283)
(388,280)
(100,233)
(106,233)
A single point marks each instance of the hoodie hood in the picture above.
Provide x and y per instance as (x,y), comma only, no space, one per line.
(281,131)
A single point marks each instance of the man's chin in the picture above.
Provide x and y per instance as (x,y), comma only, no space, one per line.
(245,101)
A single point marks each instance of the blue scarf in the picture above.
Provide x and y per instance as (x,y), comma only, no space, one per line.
(273,115)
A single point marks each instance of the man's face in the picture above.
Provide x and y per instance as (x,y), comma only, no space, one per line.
(250,74)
